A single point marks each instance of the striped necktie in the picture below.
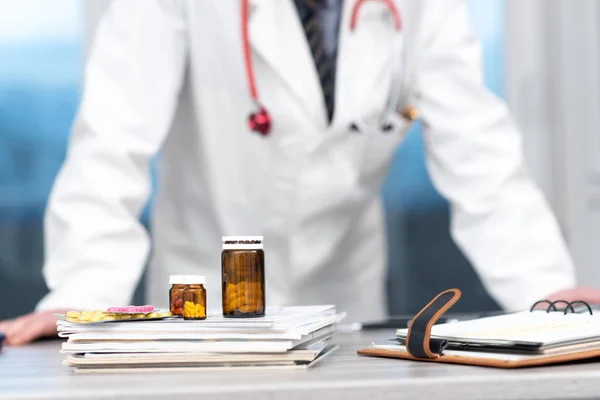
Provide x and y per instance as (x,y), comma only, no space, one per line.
(324,63)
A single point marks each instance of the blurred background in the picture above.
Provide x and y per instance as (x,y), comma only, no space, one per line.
(540,55)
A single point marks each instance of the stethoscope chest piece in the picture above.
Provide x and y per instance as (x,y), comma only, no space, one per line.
(260,121)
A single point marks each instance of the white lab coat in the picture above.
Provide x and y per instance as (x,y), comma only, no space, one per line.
(168,76)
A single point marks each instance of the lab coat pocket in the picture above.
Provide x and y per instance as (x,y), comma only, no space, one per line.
(375,151)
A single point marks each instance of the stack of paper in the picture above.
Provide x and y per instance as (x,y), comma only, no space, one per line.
(289,337)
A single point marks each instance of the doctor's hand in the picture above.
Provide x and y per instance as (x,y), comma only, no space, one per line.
(25,329)
(589,295)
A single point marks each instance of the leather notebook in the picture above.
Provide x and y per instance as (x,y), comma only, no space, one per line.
(529,338)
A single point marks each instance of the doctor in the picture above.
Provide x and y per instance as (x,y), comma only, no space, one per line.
(255,138)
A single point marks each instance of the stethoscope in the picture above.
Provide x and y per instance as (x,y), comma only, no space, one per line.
(260,120)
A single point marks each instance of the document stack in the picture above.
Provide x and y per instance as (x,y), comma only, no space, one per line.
(288,337)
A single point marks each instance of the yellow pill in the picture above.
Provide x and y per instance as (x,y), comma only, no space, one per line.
(236,303)
(87,313)
(165,314)
(124,316)
(71,319)
(83,317)
(96,318)
(72,314)
(232,294)
(152,315)
(109,318)
(138,316)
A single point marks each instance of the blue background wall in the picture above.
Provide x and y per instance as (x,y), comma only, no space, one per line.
(41,51)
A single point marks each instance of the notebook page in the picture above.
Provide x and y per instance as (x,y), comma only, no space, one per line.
(532,327)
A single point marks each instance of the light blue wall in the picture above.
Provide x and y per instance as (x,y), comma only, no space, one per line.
(39,92)
(40,73)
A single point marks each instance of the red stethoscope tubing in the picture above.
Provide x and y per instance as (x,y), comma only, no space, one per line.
(391,8)
(247,51)
(260,121)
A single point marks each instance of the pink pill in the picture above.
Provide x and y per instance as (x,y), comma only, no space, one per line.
(143,309)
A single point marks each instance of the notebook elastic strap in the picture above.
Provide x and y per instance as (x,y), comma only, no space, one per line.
(418,341)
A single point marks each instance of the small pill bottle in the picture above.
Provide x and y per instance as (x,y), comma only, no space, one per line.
(176,295)
(194,297)
(243,277)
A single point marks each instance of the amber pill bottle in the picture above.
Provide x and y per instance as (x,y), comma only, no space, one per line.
(176,295)
(194,297)
(243,277)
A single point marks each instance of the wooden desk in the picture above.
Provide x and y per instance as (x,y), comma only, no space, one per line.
(36,371)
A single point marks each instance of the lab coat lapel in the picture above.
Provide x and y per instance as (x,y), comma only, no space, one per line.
(277,35)
(365,61)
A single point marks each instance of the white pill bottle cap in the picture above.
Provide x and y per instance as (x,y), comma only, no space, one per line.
(176,279)
(194,279)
